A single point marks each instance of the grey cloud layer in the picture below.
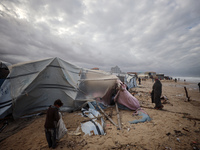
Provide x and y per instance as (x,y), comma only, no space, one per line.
(147,35)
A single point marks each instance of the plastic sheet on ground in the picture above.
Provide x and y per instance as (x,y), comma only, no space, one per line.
(92,127)
(145,118)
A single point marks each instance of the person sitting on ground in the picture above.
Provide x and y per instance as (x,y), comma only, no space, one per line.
(156,94)
(50,125)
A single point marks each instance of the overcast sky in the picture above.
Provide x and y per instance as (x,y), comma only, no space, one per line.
(136,35)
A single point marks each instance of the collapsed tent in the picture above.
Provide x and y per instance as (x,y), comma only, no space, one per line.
(33,86)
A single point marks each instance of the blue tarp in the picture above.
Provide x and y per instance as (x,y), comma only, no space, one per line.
(145,117)
(1,81)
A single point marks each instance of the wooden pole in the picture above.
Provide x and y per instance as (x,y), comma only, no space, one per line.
(106,114)
(186,93)
(89,119)
(118,117)
(191,118)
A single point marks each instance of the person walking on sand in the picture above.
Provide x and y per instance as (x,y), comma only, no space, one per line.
(50,125)
(156,94)
(199,86)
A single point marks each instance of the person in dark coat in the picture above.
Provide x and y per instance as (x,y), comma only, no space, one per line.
(139,79)
(52,119)
(199,86)
(156,94)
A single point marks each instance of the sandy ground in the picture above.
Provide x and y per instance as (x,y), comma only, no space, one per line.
(177,126)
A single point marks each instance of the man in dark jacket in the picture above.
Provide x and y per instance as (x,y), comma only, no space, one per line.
(156,94)
(52,118)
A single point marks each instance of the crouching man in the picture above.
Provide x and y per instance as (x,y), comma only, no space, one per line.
(50,125)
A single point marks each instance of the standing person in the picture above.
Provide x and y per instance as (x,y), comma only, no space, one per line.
(156,93)
(199,86)
(139,79)
(50,125)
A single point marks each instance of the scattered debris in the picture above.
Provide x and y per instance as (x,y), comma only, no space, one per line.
(186,129)
(92,127)
(106,115)
(191,118)
(164,97)
(195,145)
(4,126)
(195,123)
(168,134)
(178,140)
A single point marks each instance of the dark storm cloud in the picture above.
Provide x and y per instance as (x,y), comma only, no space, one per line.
(147,35)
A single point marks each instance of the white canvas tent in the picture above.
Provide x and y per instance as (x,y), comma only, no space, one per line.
(4,64)
(33,86)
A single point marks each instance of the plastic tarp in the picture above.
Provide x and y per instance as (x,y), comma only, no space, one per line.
(92,127)
(125,98)
(33,86)
(145,117)
(130,81)
(61,129)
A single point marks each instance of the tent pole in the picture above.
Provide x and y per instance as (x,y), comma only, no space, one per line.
(106,114)
(186,93)
(118,117)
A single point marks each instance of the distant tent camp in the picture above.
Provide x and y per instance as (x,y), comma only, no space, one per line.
(33,86)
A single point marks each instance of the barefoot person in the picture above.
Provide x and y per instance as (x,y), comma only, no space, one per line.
(50,125)
(156,93)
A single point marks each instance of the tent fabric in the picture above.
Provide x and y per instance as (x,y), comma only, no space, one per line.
(4,64)
(125,98)
(128,79)
(33,86)
(4,71)
(92,127)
